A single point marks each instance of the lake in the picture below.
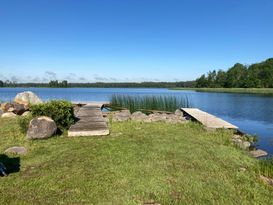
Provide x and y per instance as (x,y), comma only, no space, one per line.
(253,114)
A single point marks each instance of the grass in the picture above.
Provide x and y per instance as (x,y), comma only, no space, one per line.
(136,103)
(232,90)
(137,163)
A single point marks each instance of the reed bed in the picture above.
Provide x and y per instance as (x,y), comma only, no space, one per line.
(149,103)
(266,167)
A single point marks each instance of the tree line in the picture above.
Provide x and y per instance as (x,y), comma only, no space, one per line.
(257,75)
(66,84)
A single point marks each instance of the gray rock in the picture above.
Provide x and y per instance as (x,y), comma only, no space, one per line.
(155,117)
(139,116)
(1,112)
(18,109)
(13,107)
(174,119)
(27,98)
(8,115)
(178,112)
(123,115)
(258,153)
(26,113)
(41,128)
(6,106)
(236,137)
(242,144)
(242,169)
(16,150)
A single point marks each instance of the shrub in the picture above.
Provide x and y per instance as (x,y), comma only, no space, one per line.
(148,103)
(23,122)
(60,111)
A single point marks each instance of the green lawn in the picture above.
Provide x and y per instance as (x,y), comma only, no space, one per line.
(268,91)
(137,163)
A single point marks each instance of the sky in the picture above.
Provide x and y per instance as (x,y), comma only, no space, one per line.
(130,40)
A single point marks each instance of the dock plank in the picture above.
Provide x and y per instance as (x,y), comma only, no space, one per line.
(90,123)
(207,119)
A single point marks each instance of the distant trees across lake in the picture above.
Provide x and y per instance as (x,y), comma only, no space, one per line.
(258,75)
(66,84)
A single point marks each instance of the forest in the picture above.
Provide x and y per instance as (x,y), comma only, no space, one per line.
(66,84)
(257,75)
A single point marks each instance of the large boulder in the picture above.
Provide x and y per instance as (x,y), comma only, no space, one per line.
(8,115)
(41,128)
(123,115)
(27,98)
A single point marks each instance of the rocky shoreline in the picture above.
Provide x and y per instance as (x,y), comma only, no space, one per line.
(43,127)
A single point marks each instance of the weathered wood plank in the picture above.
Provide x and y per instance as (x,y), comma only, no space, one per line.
(207,119)
(91,122)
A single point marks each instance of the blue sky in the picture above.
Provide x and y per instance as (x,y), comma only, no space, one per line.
(130,40)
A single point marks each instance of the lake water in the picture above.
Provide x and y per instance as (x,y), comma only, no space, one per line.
(253,114)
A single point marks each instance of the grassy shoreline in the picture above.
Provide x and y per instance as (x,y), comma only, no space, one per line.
(268,91)
(136,163)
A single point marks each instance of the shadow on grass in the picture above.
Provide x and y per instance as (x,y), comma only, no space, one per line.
(11,164)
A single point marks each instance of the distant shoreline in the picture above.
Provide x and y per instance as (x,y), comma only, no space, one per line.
(230,90)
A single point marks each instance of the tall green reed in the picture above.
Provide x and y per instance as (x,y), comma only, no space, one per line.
(162,103)
(266,167)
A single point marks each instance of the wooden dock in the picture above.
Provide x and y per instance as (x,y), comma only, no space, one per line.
(207,119)
(91,122)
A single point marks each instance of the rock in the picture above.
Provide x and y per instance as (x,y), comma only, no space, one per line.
(6,106)
(27,98)
(236,137)
(242,144)
(173,119)
(26,113)
(16,150)
(258,153)
(8,115)
(139,116)
(123,115)
(13,107)
(155,117)
(18,109)
(178,112)
(242,169)
(1,112)
(266,180)
(41,128)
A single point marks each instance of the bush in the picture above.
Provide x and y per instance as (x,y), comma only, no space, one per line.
(23,122)
(60,111)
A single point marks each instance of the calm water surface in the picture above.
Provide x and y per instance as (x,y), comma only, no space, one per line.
(253,114)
